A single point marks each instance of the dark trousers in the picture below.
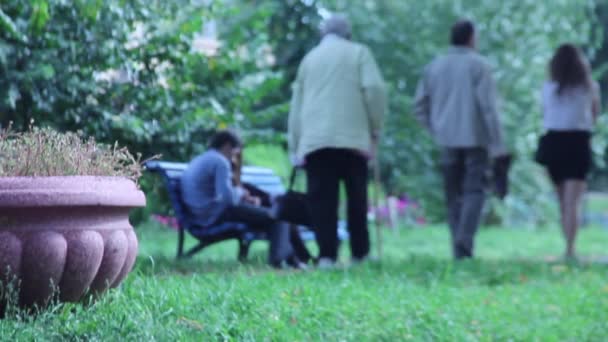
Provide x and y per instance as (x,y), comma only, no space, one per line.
(324,170)
(299,247)
(464,171)
(259,218)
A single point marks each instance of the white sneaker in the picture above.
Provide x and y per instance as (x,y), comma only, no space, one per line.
(326,263)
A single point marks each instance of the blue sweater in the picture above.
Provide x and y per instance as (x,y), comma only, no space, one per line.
(207,187)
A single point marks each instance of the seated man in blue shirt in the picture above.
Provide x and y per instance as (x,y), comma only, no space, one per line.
(210,196)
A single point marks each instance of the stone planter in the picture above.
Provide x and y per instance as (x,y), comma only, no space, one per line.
(67,234)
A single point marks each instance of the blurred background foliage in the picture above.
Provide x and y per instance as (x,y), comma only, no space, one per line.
(161,76)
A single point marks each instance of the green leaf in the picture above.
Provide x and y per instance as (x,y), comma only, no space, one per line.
(5,50)
(7,25)
(47,71)
(13,96)
(40,15)
(89,8)
(600,71)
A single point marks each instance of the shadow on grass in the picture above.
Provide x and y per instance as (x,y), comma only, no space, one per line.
(165,265)
(490,272)
(422,266)
(422,270)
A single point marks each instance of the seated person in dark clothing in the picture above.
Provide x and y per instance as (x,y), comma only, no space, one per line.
(262,198)
(212,199)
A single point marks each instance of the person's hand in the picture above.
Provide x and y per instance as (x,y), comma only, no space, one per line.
(253,200)
(256,201)
(297,162)
(373,153)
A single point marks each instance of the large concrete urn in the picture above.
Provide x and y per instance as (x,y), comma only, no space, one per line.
(66,235)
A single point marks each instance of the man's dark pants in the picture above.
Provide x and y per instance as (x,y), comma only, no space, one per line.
(464,172)
(259,218)
(325,169)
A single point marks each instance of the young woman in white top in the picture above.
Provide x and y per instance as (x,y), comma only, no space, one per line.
(571,103)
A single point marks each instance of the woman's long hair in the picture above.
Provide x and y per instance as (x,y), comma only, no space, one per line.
(569,69)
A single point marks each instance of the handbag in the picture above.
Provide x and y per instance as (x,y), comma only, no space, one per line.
(500,175)
(293,206)
(542,151)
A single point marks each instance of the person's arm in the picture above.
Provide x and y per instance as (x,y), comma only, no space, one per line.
(543,106)
(422,103)
(486,94)
(374,92)
(293,122)
(224,190)
(596,105)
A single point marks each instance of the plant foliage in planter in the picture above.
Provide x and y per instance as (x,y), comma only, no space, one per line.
(44,152)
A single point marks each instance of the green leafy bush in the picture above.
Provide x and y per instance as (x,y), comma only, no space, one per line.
(128,71)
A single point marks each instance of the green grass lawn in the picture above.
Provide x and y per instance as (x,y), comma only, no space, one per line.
(514,291)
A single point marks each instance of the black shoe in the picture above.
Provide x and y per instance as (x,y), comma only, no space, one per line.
(290,262)
(277,265)
(295,263)
(462,253)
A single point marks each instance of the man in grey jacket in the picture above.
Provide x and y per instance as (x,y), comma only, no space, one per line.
(456,101)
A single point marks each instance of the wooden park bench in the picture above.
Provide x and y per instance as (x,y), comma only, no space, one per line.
(263,178)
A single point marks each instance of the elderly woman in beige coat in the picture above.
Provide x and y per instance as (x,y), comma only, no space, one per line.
(335,120)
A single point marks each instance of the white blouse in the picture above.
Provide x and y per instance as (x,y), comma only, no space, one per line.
(570,110)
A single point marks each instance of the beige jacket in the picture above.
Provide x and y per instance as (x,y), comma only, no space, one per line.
(338,99)
(456,101)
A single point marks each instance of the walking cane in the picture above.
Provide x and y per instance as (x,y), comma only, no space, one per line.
(376,195)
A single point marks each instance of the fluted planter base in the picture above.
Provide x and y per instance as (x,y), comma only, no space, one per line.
(65,236)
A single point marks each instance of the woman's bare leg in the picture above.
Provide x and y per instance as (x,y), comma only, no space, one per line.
(559,190)
(573,191)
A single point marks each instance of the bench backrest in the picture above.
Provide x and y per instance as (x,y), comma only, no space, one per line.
(263,178)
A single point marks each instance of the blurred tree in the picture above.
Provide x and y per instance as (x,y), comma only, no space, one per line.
(157,76)
(599,177)
(140,72)
(600,63)
(292,32)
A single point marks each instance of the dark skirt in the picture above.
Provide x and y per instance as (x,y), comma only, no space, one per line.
(568,155)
